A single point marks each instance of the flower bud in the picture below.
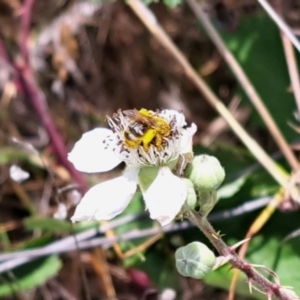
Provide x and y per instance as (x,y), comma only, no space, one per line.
(191,199)
(205,172)
(207,201)
(194,260)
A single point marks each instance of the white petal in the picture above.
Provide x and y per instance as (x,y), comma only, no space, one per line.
(165,197)
(94,152)
(186,141)
(107,199)
(169,115)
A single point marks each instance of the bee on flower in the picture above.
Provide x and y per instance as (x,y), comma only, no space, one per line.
(155,146)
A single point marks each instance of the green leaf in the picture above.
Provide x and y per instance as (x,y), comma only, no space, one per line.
(231,188)
(57,226)
(30,275)
(172,3)
(48,224)
(160,268)
(258,48)
(37,242)
(10,154)
(222,279)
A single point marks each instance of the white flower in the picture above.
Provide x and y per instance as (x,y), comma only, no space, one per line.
(142,139)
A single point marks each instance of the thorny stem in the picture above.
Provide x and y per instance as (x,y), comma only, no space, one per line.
(38,101)
(270,288)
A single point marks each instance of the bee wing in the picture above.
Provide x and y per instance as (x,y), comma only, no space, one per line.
(133,113)
(137,116)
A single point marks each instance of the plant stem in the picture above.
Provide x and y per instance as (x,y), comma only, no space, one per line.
(268,287)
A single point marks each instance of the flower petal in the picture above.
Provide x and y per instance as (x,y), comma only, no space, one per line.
(94,152)
(165,196)
(169,115)
(107,199)
(186,142)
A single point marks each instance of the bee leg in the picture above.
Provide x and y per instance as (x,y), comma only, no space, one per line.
(158,141)
(132,144)
(148,138)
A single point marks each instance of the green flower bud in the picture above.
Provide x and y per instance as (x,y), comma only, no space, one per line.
(205,172)
(191,200)
(194,260)
(207,201)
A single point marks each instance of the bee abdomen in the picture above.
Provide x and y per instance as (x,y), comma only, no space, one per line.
(137,129)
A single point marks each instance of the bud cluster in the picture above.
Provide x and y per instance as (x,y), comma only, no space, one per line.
(203,176)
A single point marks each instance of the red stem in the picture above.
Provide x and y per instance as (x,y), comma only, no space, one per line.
(39,103)
(25,29)
(28,87)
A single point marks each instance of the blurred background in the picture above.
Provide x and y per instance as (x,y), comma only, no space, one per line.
(64,66)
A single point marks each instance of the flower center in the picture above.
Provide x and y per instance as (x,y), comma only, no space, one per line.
(143,128)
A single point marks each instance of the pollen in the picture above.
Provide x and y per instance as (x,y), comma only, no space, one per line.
(145,128)
(149,138)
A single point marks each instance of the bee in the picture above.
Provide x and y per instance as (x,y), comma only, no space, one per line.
(144,128)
